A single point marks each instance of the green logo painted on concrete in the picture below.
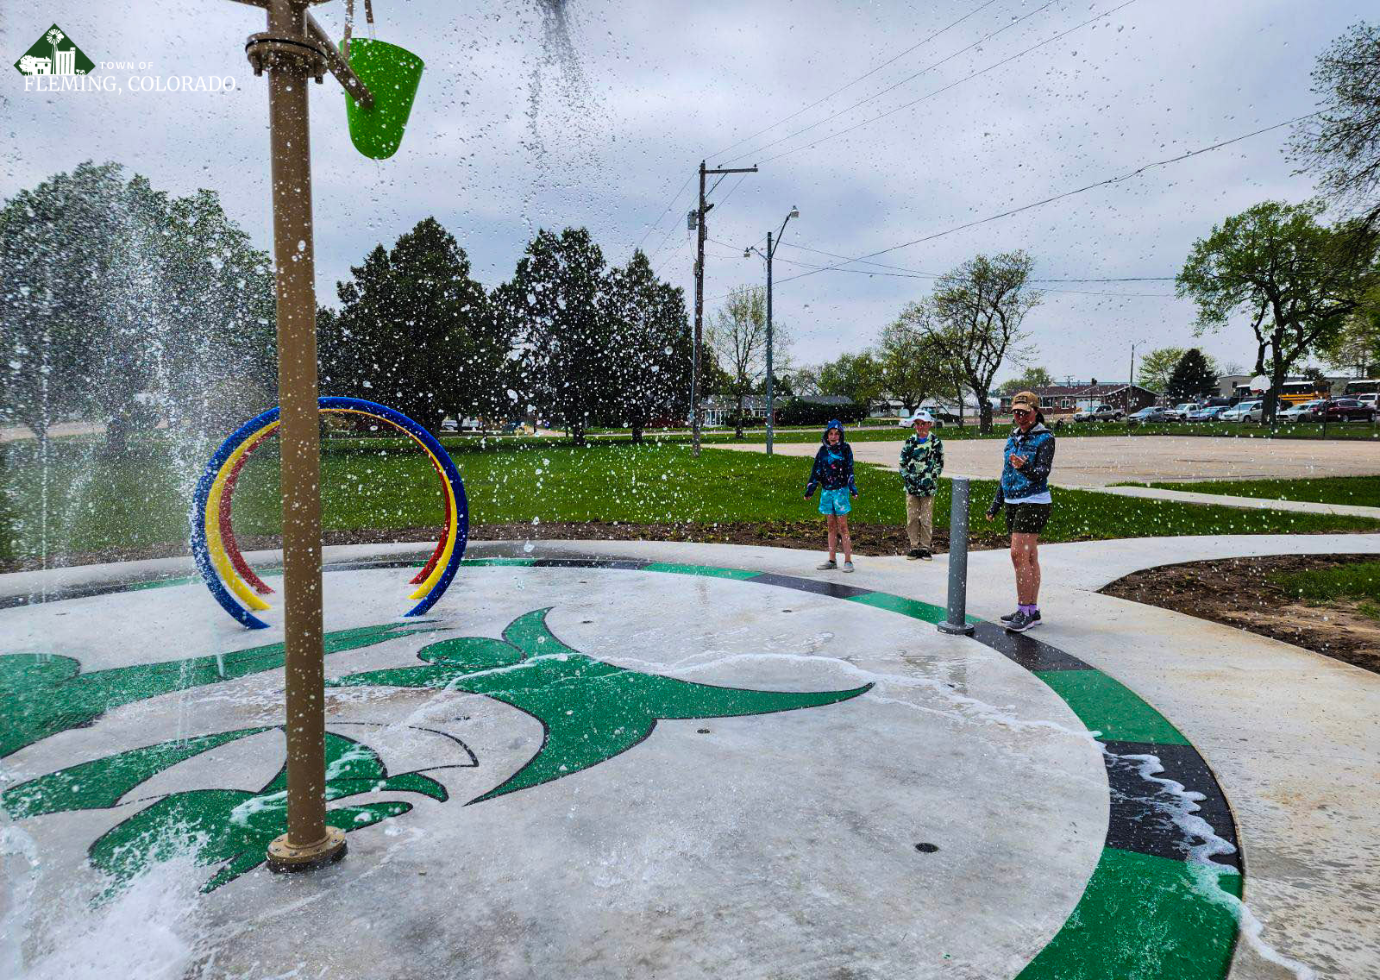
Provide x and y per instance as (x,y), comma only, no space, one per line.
(590,711)
(54,54)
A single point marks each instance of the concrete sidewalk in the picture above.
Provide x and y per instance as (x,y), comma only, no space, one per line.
(1242,503)
(1098,461)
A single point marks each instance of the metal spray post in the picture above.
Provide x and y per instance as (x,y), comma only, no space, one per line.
(957,620)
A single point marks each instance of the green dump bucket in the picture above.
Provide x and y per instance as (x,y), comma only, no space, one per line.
(391,74)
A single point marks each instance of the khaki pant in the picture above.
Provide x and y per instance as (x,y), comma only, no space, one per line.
(920,521)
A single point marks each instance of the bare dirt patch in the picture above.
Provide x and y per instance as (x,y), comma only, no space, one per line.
(1238,592)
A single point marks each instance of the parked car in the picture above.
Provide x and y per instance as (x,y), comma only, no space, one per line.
(1208,413)
(1370,399)
(1251,411)
(1180,412)
(1348,410)
(1302,412)
(1099,413)
(1151,413)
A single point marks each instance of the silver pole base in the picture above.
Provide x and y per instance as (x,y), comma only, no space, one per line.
(956,629)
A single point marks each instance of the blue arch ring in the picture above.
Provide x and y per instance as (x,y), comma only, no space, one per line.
(201,553)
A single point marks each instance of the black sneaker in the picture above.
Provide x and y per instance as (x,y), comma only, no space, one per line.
(926,555)
(1021,622)
(1010,616)
(913,554)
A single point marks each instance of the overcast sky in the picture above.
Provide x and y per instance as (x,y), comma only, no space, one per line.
(528,117)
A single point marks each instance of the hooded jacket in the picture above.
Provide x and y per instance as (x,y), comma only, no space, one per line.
(1037,447)
(833,469)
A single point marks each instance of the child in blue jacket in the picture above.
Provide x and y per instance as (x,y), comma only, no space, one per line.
(833,474)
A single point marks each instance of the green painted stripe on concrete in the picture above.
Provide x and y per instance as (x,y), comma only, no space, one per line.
(913,608)
(1110,707)
(164,583)
(1145,918)
(472,562)
(709,571)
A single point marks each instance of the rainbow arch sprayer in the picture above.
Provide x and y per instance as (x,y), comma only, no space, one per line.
(233,583)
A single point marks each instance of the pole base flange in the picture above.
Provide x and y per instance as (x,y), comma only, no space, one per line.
(956,629)
(283,857)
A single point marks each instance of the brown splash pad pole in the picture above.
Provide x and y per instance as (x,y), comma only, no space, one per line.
(291,58)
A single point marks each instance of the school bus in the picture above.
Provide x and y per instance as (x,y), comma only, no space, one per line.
(1290,393)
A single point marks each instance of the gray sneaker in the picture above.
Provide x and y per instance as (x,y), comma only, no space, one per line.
(827,566)
(848,566)
(1021,622)
(1010,616)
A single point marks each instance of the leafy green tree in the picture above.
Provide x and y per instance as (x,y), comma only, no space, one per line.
(912,367)
(555,306)
(1341,144)
(979,308)
(1193,377)
(110,289)
(651,347)
(857,377)
(1157,366)
(1031,379)
(414,331)
(1356,347)
(1295,279)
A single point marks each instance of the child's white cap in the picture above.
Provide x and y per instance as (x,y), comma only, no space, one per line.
(919,415)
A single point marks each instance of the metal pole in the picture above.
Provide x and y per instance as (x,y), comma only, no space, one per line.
(770,402)
(308,841)
(699,318)
(957,620)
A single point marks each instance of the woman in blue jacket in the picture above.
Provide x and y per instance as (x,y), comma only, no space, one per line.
(1024,492)
(833,473)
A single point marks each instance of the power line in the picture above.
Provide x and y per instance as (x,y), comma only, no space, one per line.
(908,78)
(931,275)
(1059,197)
(940,91)
(664,213)
(900,268)
(855,81)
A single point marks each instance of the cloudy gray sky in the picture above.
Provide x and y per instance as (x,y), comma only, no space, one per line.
(527,118)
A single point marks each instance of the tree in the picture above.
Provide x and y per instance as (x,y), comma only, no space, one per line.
(738,337)
(1193,377)
(979,308)
(1296,280)
(110,290)
(1341,144)
(1157,366)
(651,348)
(1356,347)
(804,381)
(857,377)
(555,306)
(1031,379)
(414,331)
(912,366)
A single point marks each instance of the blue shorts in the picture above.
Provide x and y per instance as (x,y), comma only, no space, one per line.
(835,501)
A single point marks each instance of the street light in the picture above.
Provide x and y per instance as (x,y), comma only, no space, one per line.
(771,251)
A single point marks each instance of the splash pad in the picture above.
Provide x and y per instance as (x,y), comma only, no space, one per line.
(615,765)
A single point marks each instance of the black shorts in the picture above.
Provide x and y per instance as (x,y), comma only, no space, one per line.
(1026,518)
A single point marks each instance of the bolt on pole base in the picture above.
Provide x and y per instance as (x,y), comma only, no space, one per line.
(284,856)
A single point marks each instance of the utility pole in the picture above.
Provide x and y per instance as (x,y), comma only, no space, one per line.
(772,246)
(1133,373)
(699,214)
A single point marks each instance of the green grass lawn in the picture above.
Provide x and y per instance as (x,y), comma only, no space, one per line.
(83,503)
(1361,490)
(1328,585)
